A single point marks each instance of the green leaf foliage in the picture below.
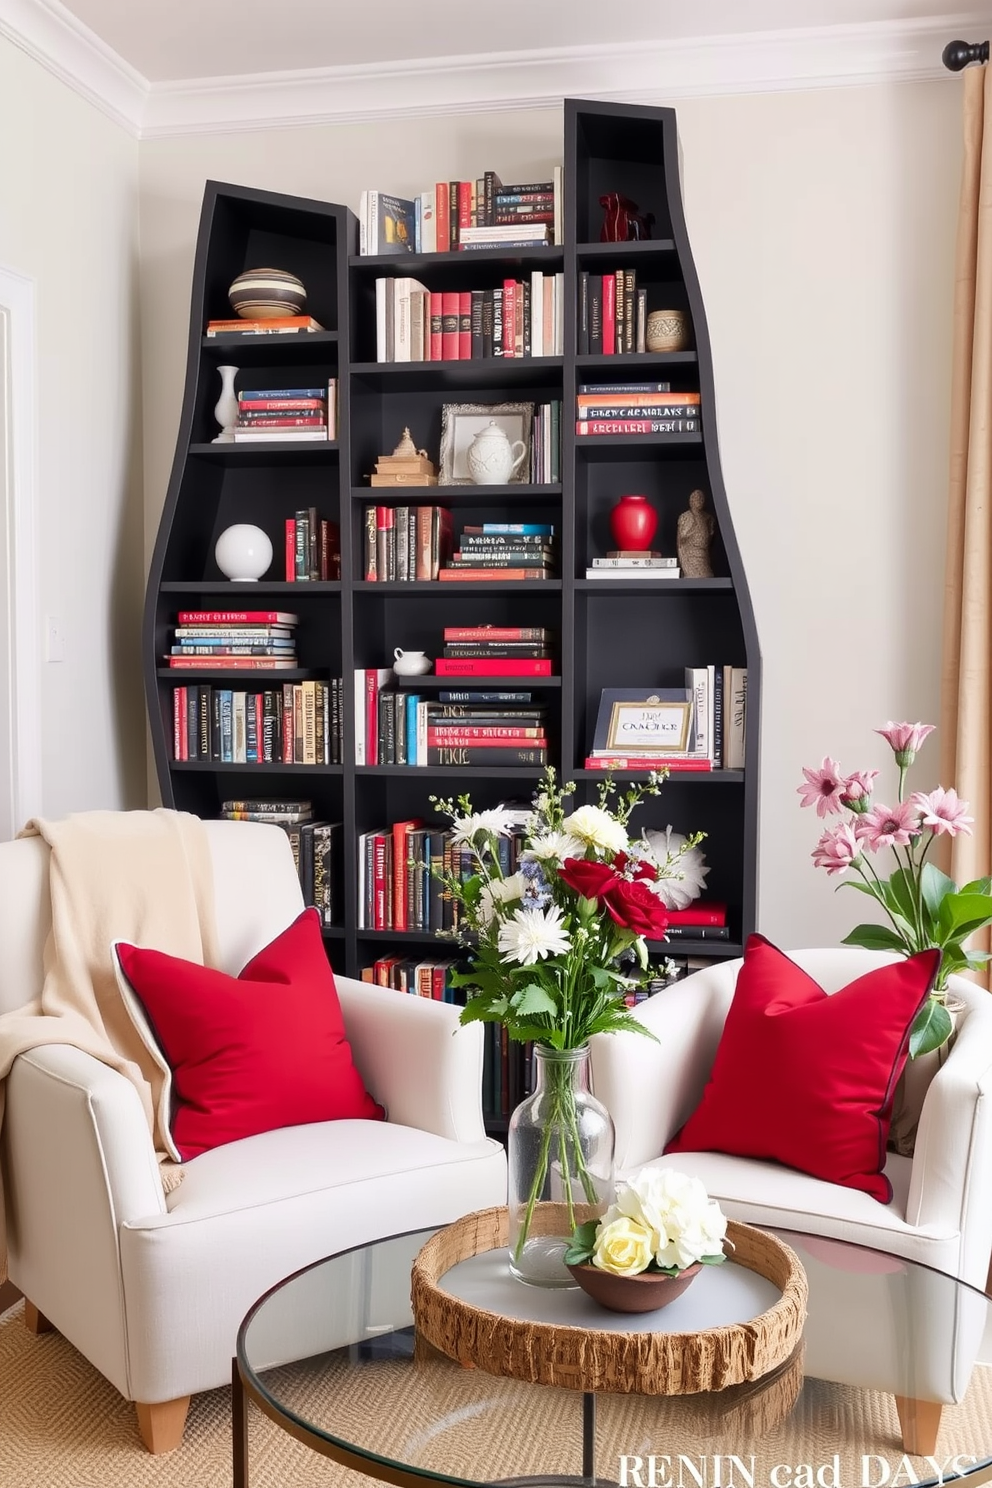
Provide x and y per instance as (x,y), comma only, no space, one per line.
(931,1028)
(874,938)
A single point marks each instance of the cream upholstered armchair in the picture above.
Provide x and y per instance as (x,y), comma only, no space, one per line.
(940,1213)
(151,1287)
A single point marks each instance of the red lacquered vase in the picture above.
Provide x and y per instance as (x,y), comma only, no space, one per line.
(633,522)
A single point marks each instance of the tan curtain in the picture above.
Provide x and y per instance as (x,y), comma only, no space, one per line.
(966,696)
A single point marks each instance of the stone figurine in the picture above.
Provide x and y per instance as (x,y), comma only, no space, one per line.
(693,537)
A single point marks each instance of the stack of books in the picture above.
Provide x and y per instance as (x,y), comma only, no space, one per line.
(627,564)
(452,215)
(278,325)
(418,978)
(405,544)
(313,548)
(520,318)
(299,413)
(703,919)
(316,847)
(496,651)
(490,730)
(635,408)
(233,639)
(503,550)
(297,723)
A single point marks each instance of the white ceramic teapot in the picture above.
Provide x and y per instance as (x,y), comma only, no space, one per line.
(491,458)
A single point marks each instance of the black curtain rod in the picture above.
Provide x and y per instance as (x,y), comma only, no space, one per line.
(957,54)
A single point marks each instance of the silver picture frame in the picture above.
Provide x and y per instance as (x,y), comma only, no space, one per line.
(460,422)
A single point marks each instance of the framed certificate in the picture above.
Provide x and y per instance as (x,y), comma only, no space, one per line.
(644,721)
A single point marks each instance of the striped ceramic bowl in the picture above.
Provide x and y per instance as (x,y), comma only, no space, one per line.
(262,294)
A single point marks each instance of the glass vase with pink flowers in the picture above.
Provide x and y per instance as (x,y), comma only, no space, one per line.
(923,906)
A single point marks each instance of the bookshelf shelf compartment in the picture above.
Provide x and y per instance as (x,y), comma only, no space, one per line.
(352,624)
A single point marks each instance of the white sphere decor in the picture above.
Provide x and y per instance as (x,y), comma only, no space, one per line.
(243,553)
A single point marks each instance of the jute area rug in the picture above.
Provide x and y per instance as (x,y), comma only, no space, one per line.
(63,1426)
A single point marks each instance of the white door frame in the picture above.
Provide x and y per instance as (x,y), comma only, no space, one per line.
(20,706)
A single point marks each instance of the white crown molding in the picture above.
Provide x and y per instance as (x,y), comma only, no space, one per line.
(60,43)
(649,72)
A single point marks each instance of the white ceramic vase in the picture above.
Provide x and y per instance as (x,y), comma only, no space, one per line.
(226,407)
(243,553)
(411,663)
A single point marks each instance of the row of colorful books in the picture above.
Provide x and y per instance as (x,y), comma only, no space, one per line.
(313,548)
(520,318)
(316,847)
(419,977)
(405,544)
(296,723)
(719,699)
(461,215)
(403,727)
(401,869)
(612,314)
(294,413)
(637,408)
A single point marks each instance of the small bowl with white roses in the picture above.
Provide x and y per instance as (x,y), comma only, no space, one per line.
(651,1243)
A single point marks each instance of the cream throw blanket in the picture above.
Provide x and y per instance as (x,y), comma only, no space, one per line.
(143,876)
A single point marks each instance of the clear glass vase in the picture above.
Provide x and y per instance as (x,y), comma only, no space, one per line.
(560,1154)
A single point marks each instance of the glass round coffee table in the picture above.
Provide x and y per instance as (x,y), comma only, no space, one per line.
(884,1390)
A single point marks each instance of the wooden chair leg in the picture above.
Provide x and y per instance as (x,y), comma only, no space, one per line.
(920,1422)
(35,1321)
(161,1425)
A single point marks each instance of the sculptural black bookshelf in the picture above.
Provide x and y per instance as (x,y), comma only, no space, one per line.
(616,633)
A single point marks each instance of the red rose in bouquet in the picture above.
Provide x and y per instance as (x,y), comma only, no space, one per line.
(633,907)
(589,879)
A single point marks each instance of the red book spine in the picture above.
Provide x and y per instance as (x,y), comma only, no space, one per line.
(372,721)
(240,617)
(509,317)
(290,549)
(178,729)
(287,723)
(698,914)
(399,874)
(508,737)
(437,983)
(651,762)
(379,883)
(450,338)
(442,218)
(637,426)
(281,405)
(259,723)
(495,666)
(465,325)
(609,315)
(464,204)
(437,323)
(493,633)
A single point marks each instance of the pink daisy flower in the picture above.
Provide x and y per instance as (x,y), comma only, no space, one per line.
(905,739)
(888,826)
(823,787)
(943,812)
(837,849)
(857,791)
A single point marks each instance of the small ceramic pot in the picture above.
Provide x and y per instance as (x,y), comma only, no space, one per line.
(411,663)
(491,458)
(645,1292)
(667,330)
(263,294)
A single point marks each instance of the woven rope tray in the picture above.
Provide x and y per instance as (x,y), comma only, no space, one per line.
(580,1358)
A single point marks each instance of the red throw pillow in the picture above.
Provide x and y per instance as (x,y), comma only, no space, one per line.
(806,1078)
(253,1052)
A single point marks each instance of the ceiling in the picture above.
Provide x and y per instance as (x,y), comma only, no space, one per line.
(194,66)
(185,39)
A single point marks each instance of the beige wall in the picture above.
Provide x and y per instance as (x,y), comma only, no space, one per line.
(68,221)
(822,227)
